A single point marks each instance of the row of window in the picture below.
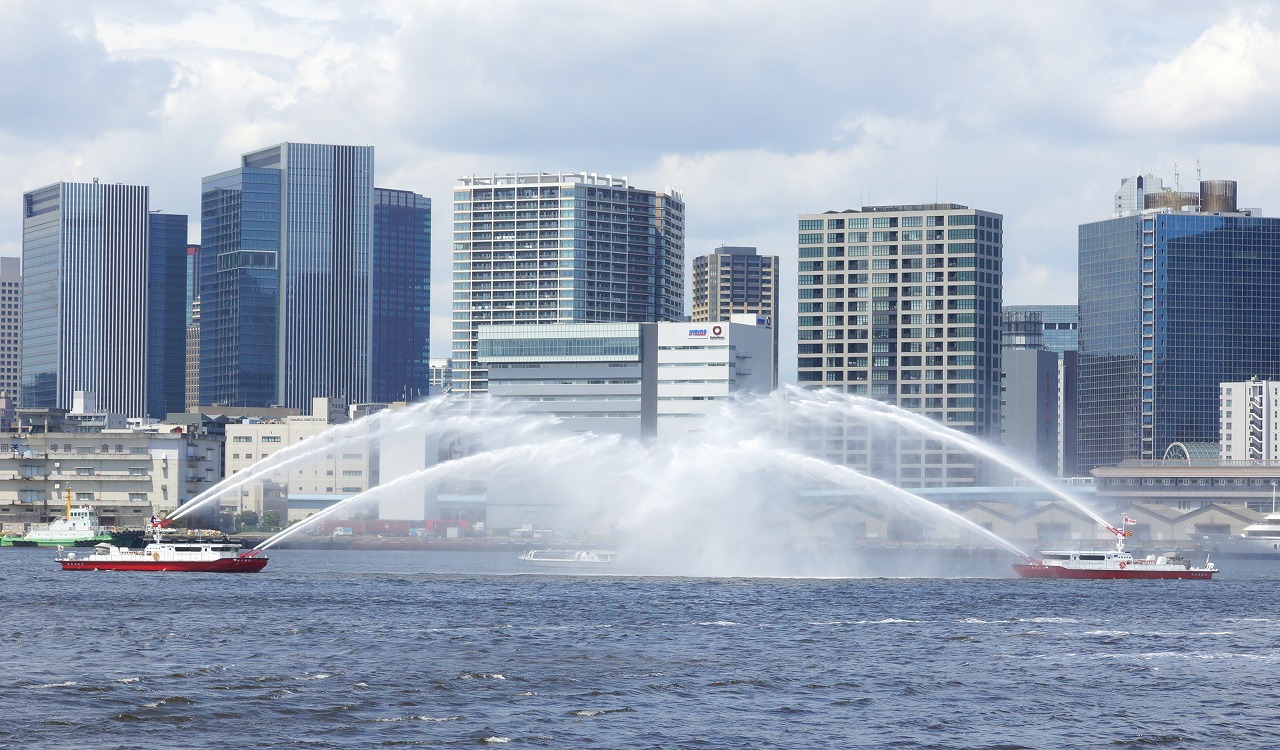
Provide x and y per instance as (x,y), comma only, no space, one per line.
(901,221)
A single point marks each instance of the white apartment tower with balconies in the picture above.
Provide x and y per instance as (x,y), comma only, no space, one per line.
(543,248)
(1250,420)
(903,304)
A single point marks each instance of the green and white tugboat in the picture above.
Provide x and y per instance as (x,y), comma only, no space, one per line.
(78,528)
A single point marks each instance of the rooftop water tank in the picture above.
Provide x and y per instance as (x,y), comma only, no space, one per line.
(1218,196)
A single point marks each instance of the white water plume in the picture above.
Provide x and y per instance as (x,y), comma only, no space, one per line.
(727,500)
(436,416)
(870,409)
(528,458)
(743,508)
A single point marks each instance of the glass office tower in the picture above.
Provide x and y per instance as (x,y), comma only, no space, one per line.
(1173,302)
(166,315)
(240,287)
(102,299)
(560,248)
(289,267)
(401,295)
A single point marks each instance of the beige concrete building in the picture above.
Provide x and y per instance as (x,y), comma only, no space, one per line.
(125,474)
(296,491)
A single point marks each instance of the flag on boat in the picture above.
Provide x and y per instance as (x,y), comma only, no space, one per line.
(1130,521)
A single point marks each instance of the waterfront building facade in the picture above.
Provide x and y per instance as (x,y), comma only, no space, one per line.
(736,280)
(285,277)
(295,492)
(1174,301)
(125,473)
(401,335)
(902,304)
(10,328)
(102,299)
(544,248)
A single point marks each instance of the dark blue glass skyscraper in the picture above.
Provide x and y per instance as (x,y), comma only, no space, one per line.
(401,295)
(285,277)
(1173,302)
(240,287)
(166,317)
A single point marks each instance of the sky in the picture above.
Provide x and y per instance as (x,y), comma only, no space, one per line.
(755,111)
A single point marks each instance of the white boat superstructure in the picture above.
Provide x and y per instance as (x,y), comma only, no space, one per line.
(568,558)
(79,523)
(1260,539)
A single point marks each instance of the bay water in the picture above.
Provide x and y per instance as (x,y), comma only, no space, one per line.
(357,649)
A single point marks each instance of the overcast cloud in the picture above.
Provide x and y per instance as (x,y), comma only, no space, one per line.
(755,111)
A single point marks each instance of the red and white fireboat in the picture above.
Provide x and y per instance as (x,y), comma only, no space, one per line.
(182,555)
(1112,563)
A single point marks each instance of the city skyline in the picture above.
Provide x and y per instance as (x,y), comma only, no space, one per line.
(753,128)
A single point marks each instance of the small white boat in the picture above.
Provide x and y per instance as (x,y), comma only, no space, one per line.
(568,558)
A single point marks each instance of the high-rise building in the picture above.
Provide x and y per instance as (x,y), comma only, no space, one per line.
(10,327)
(285,277)
(1173,301)
(1061,325)
(193,358)
(102,300)
(1061,335)
(560,248)
(732,280)
(1131,197)
(191,391)
(401,336)
(1029,391)
(167,313)
(1249,413)
(902,304)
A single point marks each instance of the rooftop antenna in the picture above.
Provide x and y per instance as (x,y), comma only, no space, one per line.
(1177,184)
(1197,170)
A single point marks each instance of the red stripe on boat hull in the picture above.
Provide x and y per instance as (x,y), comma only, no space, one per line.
(225,565)
(1057,571)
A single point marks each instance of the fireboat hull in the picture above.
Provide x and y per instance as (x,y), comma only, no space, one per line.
(1027,570)
(225,565)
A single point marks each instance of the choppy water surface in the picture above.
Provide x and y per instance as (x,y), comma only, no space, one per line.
(362,649)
